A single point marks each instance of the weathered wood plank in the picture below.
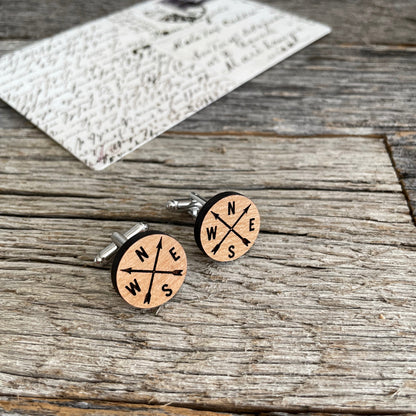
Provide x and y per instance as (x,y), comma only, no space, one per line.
(232,337)
(319,314)
(374,21)
(252,161)
(324,89)
(36,406)
(43,407)
(402,146)
(368,22)
(296,191)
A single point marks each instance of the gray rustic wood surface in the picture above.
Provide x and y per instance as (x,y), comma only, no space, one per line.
(402,147)
(319,316)
(42,407)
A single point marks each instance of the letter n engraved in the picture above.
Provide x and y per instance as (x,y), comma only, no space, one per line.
(212,233)
(141,254)
(231,208)
(133,287)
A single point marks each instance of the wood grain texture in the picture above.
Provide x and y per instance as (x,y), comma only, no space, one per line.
(402,147)
(320,313)
(338,89)
(40,407)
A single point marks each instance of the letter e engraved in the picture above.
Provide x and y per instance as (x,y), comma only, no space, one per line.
(166,289)
(141,254)
(251,224)
(231,208)
(231,250)
(173,254)
(133,287)
(212,233)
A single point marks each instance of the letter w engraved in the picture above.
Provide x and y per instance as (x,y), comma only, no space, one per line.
(212,233)
(133,287)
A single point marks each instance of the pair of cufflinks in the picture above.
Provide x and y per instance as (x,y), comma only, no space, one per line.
(149,267)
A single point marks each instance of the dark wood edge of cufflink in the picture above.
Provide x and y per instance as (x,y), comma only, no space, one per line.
(122,250)
(204,211)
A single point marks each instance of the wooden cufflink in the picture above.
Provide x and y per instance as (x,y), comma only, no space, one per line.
(226,225)
(149,267)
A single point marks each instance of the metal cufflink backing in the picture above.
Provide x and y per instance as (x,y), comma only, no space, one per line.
(149,267)
(226,225)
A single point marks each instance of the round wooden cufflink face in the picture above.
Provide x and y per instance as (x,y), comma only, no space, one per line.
(149,269)
(227,226)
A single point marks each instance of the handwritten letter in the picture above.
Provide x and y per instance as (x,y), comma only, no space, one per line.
(105,88)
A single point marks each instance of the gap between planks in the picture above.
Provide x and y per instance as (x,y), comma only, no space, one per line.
(253,133)
(40,406)
(400,179)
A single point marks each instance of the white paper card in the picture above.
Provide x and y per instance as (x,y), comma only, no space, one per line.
(105,88)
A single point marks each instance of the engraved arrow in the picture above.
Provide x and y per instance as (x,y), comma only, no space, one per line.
(245,241)
(231,229)
(148,294)
(174,272)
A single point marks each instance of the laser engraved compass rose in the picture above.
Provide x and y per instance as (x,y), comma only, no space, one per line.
(227,226)
(149,270)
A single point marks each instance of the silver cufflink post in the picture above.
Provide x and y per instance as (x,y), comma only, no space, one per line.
(118,240)
(192,205)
